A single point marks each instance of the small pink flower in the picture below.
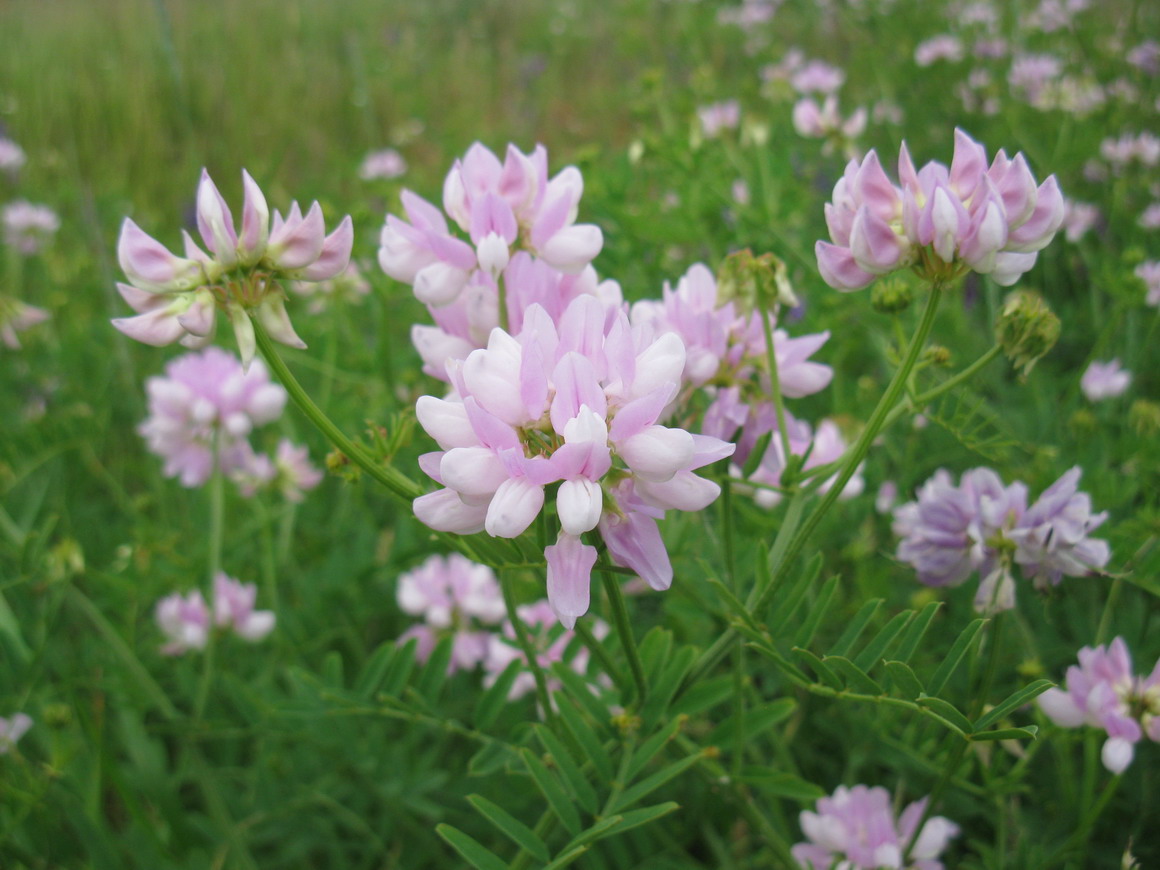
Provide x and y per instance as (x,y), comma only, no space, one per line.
(1104,380)
(856,828)
(1149,273)
(386,164)
(233,607)
(819,77)
(185,621)
(28,227)
(717,117)
(1102,692)
(12,156)
(945,47)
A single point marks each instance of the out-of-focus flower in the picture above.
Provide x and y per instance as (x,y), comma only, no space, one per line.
(1078,219)
(12,156)
(1149,273)
(749,14)
(185,621)
(206,401)
(1026,329)
(1052,537)
(27,226)
(347,288)
(387,163)
(15,316)
(551,642)
(824,446)
(176,298)
(740,192)
(454,596)
(817,77)
(944,47)
(1143,148)
(576,401)
(1149,218)
(783,70)
(718,117)
(1102,692)
(1145,56)
(856,828)
(941,222)
(887,112)
(233,607)
(825,122)
(952,531)
(886,497)
(1104,380)
(12,729)
(1031,75)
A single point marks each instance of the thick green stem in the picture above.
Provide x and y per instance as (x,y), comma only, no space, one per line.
(217,519)
(919,401)
(624,630)
(388,476)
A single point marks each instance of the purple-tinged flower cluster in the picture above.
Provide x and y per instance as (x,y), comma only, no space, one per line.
(12,729)
(186,620)
(825,122)
(1102,692)
(944,47)
(1078,219)
(550,640)
(454,596)
(177,298)
(982,526)
(27,226)
(1104,380)
(574,402)
(856,828)
(203,411)
(941,222)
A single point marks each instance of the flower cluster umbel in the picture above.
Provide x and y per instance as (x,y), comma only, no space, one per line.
(186,620)
(573,405)
(176,298)
(952,531)
(941,222)
(1103,692)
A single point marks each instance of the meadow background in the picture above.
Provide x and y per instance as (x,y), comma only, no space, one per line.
(299,758)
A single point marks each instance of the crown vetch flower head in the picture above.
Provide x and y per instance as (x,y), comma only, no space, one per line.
(16,316)
(240,271)
(1052,538)
(1102,692)
(205,401)
(940,221)
(572,405)
(856,828)
(233,607)
(1104,380)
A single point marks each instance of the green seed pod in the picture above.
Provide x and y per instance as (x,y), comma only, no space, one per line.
(1026,329)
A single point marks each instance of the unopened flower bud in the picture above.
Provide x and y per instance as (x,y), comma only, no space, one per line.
(754,282)
(937,355)
(892,295)
(1083,422)
(1144,417)
(1026,329)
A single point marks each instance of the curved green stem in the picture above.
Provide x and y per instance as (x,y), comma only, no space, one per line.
(387,475)
(775,381)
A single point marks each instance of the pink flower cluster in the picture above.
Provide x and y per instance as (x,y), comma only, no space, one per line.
(453,595)
(1104,380)
(525,247)
(825,122)
(574,402)
(952,531)
(1102,692)
(12,156)
(856,828)
(186,620)
(203,411)
(27,226)
(1149,273)
(941,222)
(176,298)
